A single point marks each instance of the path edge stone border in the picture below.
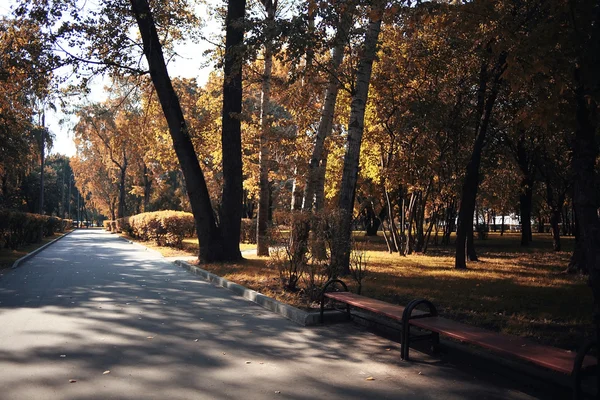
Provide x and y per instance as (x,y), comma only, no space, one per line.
(294,314)
(27,256)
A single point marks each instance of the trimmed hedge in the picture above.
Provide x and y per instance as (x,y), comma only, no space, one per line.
(166,228)
(19,228)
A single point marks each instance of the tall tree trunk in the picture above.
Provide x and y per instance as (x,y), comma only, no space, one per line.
(42,162)
(409,245)
(525,207)
(526,195)
(395,237)
(471,182)
(340,255)
(262,239)
(122,192)
(556,206)
(320,189)
(147,188)
(231,138)
(297,193)
(316,166)
(585,147)
(210,243)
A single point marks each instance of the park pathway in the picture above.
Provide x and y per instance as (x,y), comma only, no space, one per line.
(96,317)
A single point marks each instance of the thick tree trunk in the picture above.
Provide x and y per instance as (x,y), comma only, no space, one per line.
(526,194)
(372,220)
(471,182)
(210,243)
(340,255)
(231,138)
(585,149)
(262,239)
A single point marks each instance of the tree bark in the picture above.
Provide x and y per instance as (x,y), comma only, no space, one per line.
(471,182)
(340,255)
(147,188)
(122,178)
(210,244)
(525,206)
(586,197)
(262,221)
(316,166)
(231,138)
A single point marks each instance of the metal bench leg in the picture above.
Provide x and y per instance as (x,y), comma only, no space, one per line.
(579,371)
(435,342)
(330,283)
(405,342)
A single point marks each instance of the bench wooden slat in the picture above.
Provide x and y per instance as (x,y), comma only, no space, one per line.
(366,303)
(550,357)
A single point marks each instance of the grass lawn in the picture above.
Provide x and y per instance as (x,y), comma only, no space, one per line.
(8,256)
(515,290)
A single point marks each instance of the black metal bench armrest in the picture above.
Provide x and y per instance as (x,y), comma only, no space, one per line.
(407,316)
(322,295)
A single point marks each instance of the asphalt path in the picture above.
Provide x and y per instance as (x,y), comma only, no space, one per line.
(96,317)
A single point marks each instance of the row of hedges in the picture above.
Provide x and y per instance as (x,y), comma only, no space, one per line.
(166,228)
(169,228)
(18,229)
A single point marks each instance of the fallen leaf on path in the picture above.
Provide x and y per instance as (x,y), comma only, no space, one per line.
(370,378)
(248,362)
(72,381)
(277,392)
(150,337)
(195,340)
(106,373)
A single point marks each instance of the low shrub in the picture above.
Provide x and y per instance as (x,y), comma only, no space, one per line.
(123,225)
(166,228)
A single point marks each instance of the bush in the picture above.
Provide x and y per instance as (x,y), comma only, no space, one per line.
(18,228)
(166,228)
(248,231)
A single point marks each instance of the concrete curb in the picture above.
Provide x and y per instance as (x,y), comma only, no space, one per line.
(34,252)
(292,313)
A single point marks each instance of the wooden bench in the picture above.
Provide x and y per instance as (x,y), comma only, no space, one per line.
(570,363)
